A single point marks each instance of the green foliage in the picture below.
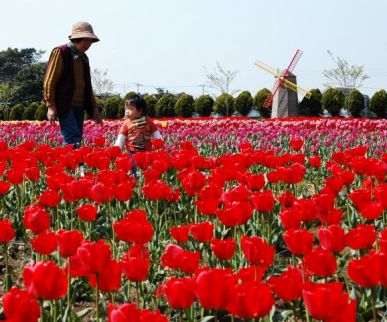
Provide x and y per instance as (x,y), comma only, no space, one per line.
(165,106)
(203,105)
(28,84)
(378,103)
(13,61)
(354,103)
(184,105)
(29,111)
(243,103)
(224,104)
(312,106)
(4,112)
(110,108)
(258,101)
(41,113)
(150,101)
(333,100)
(16,113)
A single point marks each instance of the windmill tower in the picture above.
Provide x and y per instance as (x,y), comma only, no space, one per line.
(283,96)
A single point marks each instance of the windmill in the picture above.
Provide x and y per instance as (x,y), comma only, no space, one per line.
(285,89)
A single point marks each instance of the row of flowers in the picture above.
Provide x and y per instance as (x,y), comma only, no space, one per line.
(273,231)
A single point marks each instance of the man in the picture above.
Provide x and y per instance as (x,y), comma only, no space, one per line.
(67,85)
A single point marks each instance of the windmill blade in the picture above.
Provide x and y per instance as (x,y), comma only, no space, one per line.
(270,97)
(296,88)
(294,61)
(267,68)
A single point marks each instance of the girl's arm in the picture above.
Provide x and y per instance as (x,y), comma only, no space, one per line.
(120,140)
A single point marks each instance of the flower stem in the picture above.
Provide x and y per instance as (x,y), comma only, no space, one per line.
(5,252)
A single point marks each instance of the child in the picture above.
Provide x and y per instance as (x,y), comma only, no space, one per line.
(137,130)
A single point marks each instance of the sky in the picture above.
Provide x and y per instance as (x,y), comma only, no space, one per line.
(171,43)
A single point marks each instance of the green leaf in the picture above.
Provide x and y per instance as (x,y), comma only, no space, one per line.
(84,312)
(207,318)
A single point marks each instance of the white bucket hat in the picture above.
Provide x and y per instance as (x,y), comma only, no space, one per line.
(83,29)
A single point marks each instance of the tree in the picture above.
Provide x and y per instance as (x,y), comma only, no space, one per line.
(333,100)
(184,105)
(354,102)
(311,106)
(165,106)
(203,105)
(102,85)
(344,75)
(378,103)
(221,79)
(259,100)
(224,104)
(243,103)
(150,101)
(28,84)
(6,93)
(12,61)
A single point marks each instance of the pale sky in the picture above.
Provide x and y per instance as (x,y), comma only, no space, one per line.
(168,43)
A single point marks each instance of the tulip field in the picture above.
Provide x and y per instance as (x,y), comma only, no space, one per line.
(228,219)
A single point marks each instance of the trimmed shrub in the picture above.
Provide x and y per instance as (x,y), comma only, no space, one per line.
(4,112)
(29,111)
(184,105)
(150,101)
(16,113)
(165,106)
(354,103)
(378,103)
(41,113)
(203,105)
(243,103)
(128,94)
(333,100)
(111,107)
(312,106)
(258,101)
(224,104)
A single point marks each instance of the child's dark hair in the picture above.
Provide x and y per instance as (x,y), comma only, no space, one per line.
(138,102)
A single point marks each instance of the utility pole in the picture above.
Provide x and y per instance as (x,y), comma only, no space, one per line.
(138,87)
(202,88)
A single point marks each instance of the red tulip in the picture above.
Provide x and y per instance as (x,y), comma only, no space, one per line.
(244,302)
(123,313)
(152,316)
(320,262)
(45,280)
(213,288)
(134,228)
(257,251)
(367,270)
(315,161)
(263,201)
(371,210)
(44,243)
(296,143)
(100,193)
(291,218)
(7,233)
(193,182)
(108,278)
(49,198)
(286,199)
(298,241)
(179,292)
(361,237)
(176,257)
(255,181)
(202,232)
(223,248)
(136,263)
(236,214)
(36,219)
(123,191)
(324,301)
(14,176)
(4,187)
(288,285)
(20,306)
(94,256)
(180,233)
(87,212)
(331,238)
(68,242)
